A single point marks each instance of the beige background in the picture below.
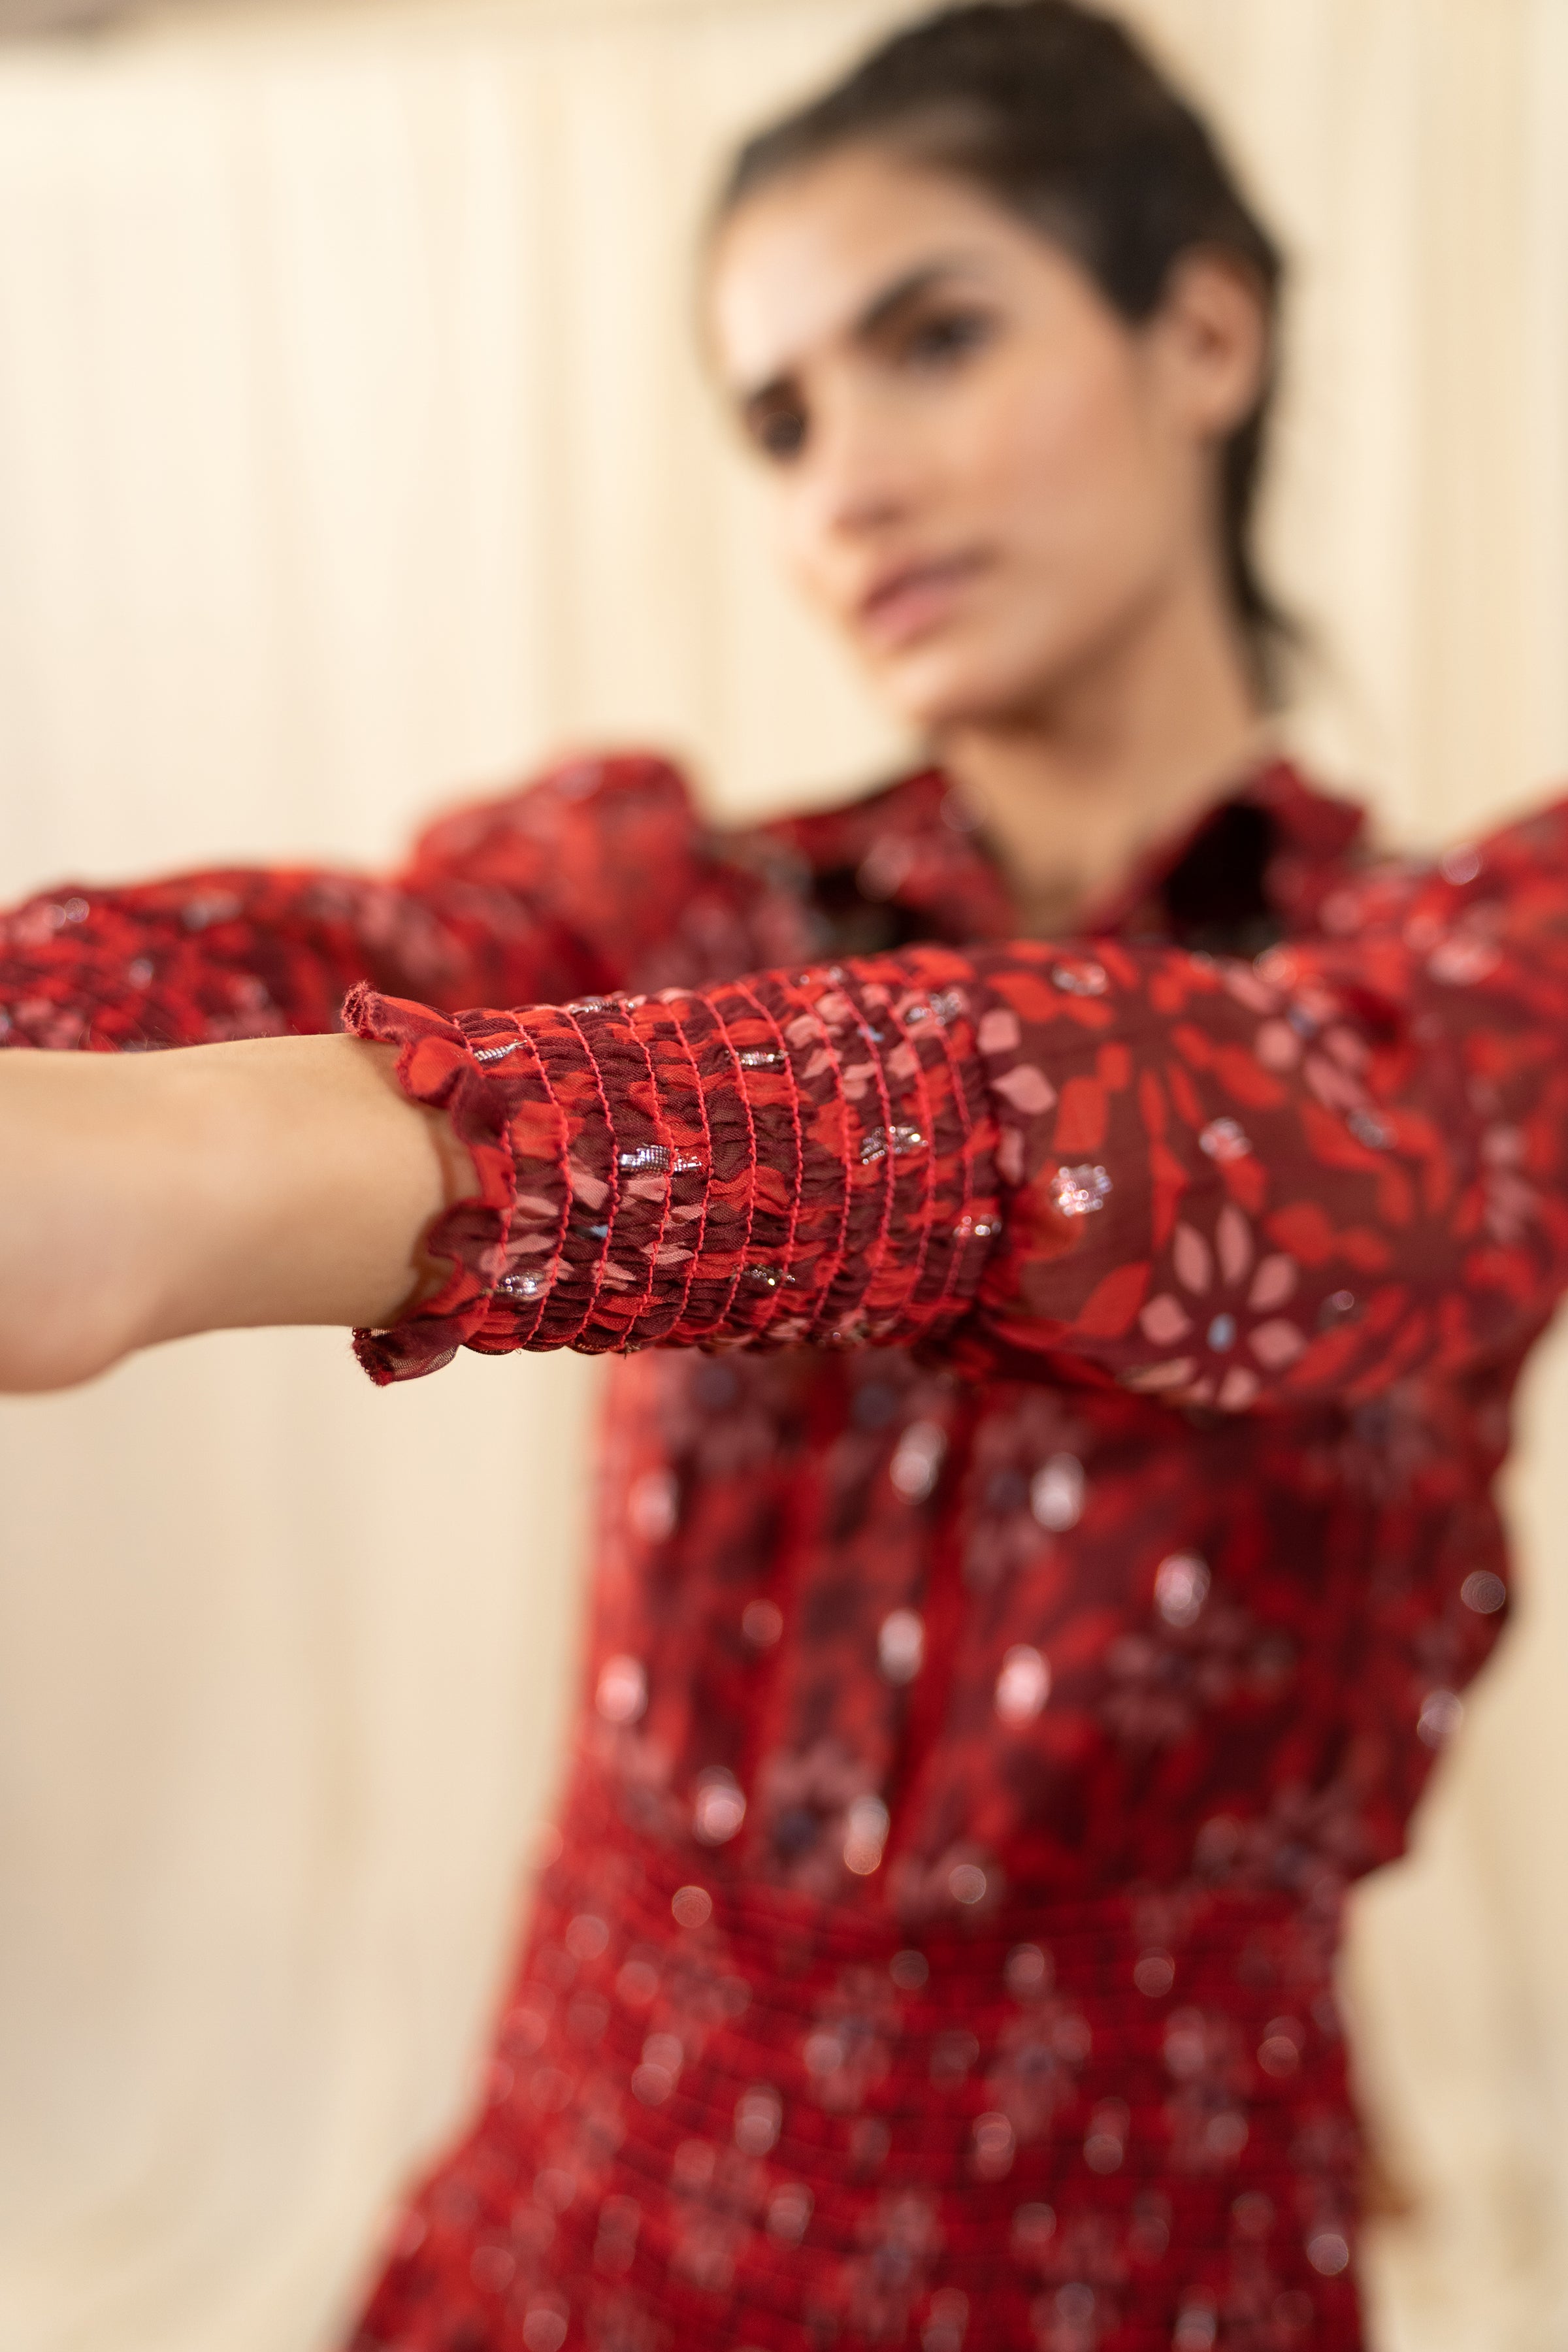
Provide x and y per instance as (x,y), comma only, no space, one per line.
(352,452)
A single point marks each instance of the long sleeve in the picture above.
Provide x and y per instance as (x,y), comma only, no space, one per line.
(1219,1182)
(541,894)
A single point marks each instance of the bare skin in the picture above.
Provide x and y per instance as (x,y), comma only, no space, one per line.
(1006,499)
(150,1195)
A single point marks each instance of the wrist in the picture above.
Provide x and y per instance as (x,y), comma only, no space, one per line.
(294,1183)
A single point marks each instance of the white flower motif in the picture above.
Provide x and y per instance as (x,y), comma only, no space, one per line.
(1230,1311)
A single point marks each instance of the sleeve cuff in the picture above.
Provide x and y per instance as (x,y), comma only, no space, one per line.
(792,1160)
(438,1068)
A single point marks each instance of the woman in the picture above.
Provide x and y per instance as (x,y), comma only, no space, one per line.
(1083,1267)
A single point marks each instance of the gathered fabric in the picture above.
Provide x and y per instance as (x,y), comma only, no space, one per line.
(1045,1521)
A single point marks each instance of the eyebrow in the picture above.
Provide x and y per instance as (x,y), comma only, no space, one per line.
(878,314)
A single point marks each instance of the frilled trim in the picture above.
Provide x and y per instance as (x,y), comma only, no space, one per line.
(436,1068)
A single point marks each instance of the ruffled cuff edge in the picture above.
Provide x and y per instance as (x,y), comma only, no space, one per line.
(435,1069)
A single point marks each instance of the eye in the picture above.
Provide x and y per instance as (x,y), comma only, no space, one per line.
(944,338)
(778,433)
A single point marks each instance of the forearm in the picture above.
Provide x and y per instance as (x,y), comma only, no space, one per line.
(148,1196)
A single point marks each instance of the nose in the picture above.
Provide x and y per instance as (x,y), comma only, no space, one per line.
(861,479)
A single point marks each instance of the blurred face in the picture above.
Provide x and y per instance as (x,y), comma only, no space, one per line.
(981,475)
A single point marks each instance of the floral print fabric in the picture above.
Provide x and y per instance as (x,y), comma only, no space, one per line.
(1045,1521)
(672,1168)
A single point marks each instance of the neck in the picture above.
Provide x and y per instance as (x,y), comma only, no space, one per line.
(1131,748)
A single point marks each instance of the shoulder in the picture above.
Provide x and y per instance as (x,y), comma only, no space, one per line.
(613,850)
(619,805)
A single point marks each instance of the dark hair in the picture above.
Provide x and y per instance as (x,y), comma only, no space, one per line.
(1054,111)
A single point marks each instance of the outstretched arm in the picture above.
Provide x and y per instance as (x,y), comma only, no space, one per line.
(1207,1180)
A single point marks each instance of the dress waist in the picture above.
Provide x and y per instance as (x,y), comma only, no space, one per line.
(735,2116)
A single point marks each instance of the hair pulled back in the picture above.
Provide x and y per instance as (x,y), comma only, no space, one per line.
(1056,113)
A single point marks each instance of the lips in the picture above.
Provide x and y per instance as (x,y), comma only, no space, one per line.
(908,602)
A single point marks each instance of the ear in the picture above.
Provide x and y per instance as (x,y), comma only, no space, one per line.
(1213,334)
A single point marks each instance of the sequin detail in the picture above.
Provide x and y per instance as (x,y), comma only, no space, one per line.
(1080,1191)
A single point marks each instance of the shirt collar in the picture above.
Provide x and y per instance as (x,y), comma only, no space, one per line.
(914,847)
(1280,868)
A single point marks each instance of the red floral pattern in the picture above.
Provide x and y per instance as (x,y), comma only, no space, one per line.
(1041,1545)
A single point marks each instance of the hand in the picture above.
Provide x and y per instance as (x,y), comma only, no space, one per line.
(144,1197)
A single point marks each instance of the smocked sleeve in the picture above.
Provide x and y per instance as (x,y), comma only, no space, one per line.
(1216,1182)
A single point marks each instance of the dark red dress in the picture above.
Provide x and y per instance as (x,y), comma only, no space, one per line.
(1041,1545)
